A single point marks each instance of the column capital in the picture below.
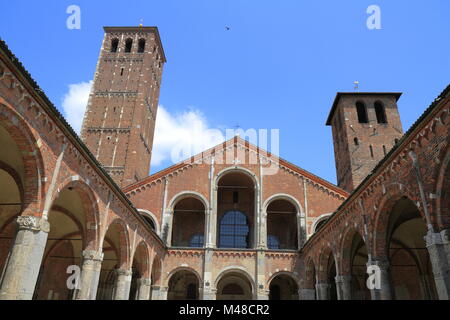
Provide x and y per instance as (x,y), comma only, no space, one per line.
(343,278)
(383,264)
(433,238)
(144,281)
(33,223)
(93,255)
(123,272)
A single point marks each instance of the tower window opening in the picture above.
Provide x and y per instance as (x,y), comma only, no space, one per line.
(121,72)
(128,45)
(395,141)
(141,46)
(362,112)
(114,44)
(371,151)
(380,112)
(384,150)
(356,141)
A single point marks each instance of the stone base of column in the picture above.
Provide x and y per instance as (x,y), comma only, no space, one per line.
(22,270)
(307,294)
(323,290)
(438,246)
(209,294)
(344,287)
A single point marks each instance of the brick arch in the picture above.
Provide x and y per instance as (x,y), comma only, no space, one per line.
(237,169)
(91,210)
(309,281)
(156,270)
(345,249)
(441,215)
(378,245)
(237,269)
(283,196)
(124,242)
(284,273)
(178,269)
(188,194)
(34,169)
(324,256)
(141,254)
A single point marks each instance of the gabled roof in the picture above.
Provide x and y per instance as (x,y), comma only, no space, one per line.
(236,140)
(341,94)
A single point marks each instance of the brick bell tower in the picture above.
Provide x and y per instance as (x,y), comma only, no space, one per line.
(119,123)
(365,126)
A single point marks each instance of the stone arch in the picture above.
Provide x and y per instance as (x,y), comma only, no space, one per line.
(284,228)
(141,252)
(153,218)
(188,194)
(156,271)
(286,284)
(183,283)
(310,274)
(236,272)
(319,220)
(240,169)
(283,196)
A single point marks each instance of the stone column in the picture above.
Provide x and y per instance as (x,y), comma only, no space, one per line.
(154,293)
(123,284)
(208,292)
(260,281)
(163,292)
(90,275)
(144,287)
(307,294)
(344,287)
(383,279)
(438,246)
(25,260)
(323,290)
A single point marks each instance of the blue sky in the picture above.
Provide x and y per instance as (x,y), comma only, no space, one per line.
(279,66)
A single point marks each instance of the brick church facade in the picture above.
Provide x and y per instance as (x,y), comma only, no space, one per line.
(233,222)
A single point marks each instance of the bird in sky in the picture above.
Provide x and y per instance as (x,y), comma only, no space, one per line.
(227,28)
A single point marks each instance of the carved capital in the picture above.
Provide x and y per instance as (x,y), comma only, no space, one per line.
(123,272)
(93,255)
(33,223)
(144,282)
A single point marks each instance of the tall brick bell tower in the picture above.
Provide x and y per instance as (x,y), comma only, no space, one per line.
(119,122)
(365,126)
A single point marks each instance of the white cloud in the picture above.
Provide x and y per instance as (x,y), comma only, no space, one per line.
(179,136)
(75,102)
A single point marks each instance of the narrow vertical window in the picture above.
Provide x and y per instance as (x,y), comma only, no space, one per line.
(395,141)
(121,72)
(114,44)
(384,150)
(128,45)
(380,112)
(141,46)
(362,112)
(235,197)
(371,151)
(356,141)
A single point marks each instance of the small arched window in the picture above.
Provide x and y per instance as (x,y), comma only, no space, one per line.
(362,112)
(149,221)
(380,112)
(141,46)
(128,45)
(384,150)
(114,44)
(356,141)
(371,151)
(272,242)
(196,241)
(395,141)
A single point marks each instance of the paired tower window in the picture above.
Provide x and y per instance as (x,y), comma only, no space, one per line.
(362,112)
(128,45)
(380,112)
(141,46)
(114,45)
